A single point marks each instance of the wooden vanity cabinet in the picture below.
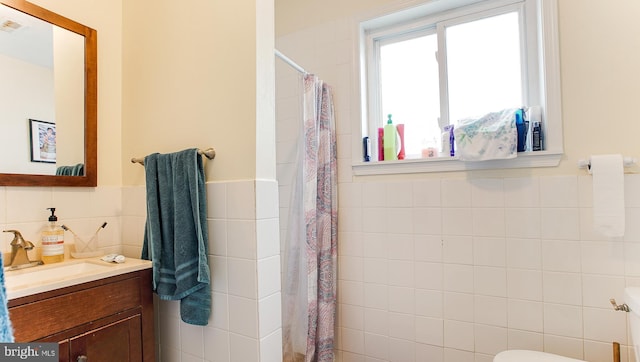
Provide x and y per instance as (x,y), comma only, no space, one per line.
(106,320)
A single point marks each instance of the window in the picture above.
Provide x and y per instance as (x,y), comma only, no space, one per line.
(432,66)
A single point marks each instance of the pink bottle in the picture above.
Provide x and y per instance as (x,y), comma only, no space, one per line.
(400,128)
(380,144)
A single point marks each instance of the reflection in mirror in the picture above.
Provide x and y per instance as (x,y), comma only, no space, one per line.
(49,111)
(47,79)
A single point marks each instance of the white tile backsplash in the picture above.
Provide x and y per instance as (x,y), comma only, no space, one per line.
(429,275)
(456,193)
(559,191)
(459,335)
(402,300)
(522,192)
(402,326)
(489,251)
(430,331)
(376,321)
(488,222)
(429,303)
(399,220)
(352,316)
(563,288)
(457,249)
(426,193)
(458,306)
(487,193)
(242,277)
(559,255)
(525,315)
(428,248)
(560,223)
(241,239)
(490,281)
(604,325)
(524,284)
(563,320)
(632,190)
(487,265)
(564,346)
(490,340)
(402,246)
(457,221)
(524,253)
(241,200)
(458,278)
(522,223)
(374,194)
(427,221)
(399,195)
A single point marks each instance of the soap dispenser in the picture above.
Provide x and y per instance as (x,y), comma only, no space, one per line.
(52,240)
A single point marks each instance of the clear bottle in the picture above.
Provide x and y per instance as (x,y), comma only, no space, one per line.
(52,240)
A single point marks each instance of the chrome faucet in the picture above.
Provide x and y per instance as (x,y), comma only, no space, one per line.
(19,247)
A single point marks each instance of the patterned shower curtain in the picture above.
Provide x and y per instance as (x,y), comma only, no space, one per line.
(310,278)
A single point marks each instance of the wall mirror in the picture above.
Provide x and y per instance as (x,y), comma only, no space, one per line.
(48,123)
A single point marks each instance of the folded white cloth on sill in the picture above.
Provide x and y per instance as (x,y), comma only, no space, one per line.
(493,136)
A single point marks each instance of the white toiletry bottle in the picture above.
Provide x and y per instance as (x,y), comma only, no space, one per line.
(52,240)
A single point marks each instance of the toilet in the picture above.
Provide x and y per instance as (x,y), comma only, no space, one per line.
(631,299)
(521,355)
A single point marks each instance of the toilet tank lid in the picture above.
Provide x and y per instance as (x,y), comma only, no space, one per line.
(520,355)
(632,298)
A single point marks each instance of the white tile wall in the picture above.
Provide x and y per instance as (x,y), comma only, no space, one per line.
(245,323)
(495,263)
(471,296)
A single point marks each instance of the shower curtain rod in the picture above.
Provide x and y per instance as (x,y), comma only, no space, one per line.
(289,61)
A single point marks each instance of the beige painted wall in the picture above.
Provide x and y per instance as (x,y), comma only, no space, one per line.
(172,77)
(68,67)
(190,81)
(106,17)
(599,54)
(294,15)
(29,96)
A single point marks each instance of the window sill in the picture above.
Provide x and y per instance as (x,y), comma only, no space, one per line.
(445,164)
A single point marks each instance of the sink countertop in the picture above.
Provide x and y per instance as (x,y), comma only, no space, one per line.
(43,278)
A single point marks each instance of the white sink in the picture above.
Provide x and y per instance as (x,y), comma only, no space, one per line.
(37,279)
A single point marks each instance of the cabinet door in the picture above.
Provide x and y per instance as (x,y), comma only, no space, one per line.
(63,351)
(120,341)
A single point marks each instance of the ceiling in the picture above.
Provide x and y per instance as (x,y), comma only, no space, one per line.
(18,29)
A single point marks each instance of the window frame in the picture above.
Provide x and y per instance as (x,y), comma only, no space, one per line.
(541,67)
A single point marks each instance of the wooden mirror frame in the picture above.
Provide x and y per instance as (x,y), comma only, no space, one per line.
(90,178)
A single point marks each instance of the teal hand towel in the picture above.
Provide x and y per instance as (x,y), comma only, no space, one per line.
(176,235)
(77,170)
(6,330)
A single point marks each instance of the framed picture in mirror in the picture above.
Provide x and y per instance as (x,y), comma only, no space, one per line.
(42,141)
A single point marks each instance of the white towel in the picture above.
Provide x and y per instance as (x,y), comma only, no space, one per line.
(608,195)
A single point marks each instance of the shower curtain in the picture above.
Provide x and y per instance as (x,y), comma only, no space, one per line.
(310,275)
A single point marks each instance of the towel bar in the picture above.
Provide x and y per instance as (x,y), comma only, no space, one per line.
(210,153)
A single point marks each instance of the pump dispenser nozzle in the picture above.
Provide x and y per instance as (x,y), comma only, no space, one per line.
(389,120)
(53,216)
